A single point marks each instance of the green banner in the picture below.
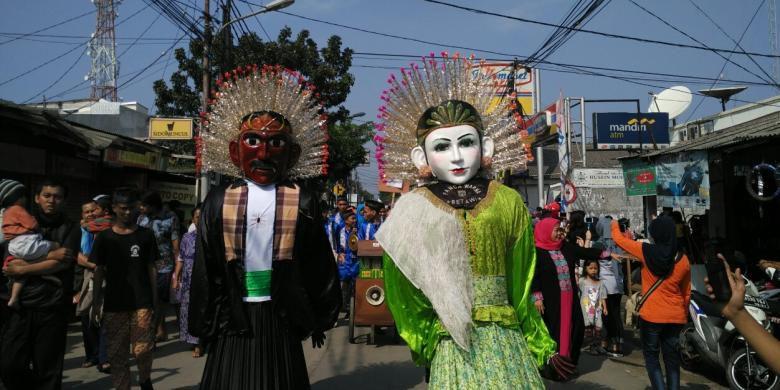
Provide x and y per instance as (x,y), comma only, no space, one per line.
(639,178)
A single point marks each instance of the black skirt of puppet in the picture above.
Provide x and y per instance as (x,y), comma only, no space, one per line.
(269,357)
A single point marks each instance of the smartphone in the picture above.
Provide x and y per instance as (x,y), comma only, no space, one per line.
(716,273)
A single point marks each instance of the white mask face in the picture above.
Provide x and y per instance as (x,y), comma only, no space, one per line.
(453,153)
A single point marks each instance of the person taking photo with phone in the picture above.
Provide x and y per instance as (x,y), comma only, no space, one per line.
(764,343)
(666,291)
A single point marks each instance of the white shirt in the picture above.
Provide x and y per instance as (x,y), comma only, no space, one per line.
(260,215)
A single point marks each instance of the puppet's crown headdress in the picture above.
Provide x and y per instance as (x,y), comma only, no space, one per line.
(271,89)
(444,92)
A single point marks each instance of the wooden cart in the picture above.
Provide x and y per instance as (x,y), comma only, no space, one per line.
(368,306)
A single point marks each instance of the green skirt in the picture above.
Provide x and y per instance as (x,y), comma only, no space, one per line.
(498,359)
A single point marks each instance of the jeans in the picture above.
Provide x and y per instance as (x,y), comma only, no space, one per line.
(94,342)
(664,338)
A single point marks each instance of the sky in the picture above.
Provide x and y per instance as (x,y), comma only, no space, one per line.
(55,65)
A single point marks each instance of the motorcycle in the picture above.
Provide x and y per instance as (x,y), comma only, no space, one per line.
(712,341)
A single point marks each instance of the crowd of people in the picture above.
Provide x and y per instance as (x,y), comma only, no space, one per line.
(580,281)
(345,225)
(118,270)
(485,294)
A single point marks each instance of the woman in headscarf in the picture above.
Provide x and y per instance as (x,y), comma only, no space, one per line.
(611,274)
(665,310)
(555,285)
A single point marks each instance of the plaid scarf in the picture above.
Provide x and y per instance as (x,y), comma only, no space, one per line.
(234,221)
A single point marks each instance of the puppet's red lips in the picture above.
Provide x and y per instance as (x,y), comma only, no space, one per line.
(458,171)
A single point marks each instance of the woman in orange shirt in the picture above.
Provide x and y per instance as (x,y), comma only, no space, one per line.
(666,309)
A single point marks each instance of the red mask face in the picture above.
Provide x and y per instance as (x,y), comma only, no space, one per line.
(264,149)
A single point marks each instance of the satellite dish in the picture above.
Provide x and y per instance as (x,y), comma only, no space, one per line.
(724,94)
(674,100)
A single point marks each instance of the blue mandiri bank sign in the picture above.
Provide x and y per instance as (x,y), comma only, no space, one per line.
(625,130)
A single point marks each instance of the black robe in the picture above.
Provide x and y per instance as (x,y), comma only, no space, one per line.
(258,345)
(546,281)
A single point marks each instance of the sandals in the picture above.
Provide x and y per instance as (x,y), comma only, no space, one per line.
(104,368)
(197,352)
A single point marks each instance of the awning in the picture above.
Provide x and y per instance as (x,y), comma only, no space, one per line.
(767,126)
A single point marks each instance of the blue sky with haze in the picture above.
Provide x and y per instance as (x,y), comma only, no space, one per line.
(412,18)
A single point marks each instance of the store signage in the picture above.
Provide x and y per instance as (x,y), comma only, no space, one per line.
(625,130)
(639,178)
(598,178)
(542,127)
(184,193)
(131,159)
(170,128)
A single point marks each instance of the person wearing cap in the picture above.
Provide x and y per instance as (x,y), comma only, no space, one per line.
(34,339)
(371,221)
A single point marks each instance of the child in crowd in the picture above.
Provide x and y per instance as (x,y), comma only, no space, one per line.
(593,303)
(24,241)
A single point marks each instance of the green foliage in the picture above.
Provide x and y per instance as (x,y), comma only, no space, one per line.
(326,68)
(346,147)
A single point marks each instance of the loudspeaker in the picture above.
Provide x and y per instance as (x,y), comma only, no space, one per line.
(370,304)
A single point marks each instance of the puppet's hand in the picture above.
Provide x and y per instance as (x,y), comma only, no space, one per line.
(318,339)
(559,368)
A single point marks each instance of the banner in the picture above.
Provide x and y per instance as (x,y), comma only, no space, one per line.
(622,130)
(683,180)
(598,178)
(639,178)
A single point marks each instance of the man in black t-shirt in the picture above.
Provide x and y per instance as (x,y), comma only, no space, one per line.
(33,340)
(125,257)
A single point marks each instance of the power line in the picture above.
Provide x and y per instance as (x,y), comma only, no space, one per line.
(722,68)
(396,57)
(126,82)
(675,28)
(583,70)
(73,65)
(63,54)
(737,43)
(49,27)
(593,32)
(139,37)
(257,19)
(88,37)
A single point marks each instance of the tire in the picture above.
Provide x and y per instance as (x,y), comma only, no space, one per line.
(689,356)
(352,320)
(762,377)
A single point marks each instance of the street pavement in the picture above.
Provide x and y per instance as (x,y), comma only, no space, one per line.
(341,365)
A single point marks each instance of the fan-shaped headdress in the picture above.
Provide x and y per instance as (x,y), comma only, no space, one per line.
(271,89)
(430,97)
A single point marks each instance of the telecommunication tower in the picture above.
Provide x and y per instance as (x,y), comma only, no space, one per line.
(102,49)
(773,40)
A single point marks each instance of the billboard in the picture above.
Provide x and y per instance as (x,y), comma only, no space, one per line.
(524,83)
(623,130)
(683,180)
(543,127)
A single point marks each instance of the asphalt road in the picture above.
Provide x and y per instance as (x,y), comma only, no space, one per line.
(341,365)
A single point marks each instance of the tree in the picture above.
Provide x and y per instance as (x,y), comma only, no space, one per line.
(346,147)
(327,69)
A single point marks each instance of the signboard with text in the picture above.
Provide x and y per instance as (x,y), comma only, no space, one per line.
(624,130)
(184,193)
(597,178)
(170,128)
(503,73)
